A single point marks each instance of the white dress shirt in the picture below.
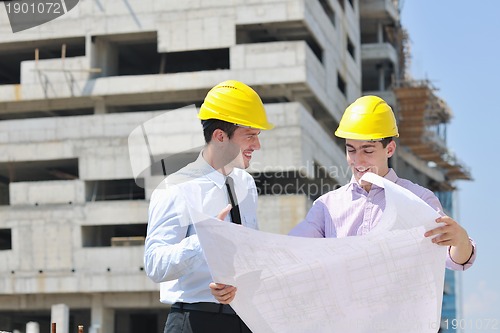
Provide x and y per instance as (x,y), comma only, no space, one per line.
(173,256)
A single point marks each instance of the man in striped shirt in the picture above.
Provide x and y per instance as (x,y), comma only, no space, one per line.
(369,127)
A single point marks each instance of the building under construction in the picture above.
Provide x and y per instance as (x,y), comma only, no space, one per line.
(74,212)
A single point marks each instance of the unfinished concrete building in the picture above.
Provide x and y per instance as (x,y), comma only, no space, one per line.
(74,213)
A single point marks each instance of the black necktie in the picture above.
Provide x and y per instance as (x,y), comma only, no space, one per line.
(235,210)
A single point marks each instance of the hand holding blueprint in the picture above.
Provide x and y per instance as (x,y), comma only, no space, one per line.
(390,280)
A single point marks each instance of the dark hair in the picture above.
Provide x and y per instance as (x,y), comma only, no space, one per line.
(210,125)
(386,141)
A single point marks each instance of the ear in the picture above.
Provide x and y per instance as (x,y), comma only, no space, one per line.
(391,148)
(218,135)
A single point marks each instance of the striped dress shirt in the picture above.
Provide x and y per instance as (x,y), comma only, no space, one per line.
(351,211)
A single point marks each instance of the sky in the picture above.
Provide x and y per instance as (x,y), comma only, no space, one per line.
(455,44)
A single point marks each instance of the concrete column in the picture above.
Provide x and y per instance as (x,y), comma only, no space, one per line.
(100,106)
(102,319)
(32,327)
(380,32)
(381,77)
(103,54)
(60,315)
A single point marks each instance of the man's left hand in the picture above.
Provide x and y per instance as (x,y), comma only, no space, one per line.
(452,234)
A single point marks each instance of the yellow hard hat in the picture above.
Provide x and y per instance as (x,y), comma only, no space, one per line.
(236,103)
(368,118)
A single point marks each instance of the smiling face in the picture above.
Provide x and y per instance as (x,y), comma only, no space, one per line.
(246,141)
(368,156)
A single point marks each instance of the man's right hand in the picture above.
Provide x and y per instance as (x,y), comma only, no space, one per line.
(223,293)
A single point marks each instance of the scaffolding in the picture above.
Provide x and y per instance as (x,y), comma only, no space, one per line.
(422,119)
(68,73)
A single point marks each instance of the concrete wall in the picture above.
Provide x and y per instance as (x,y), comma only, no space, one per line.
(48,263)
(181,28)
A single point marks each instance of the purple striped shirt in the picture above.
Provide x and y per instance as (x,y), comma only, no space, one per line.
(351,211)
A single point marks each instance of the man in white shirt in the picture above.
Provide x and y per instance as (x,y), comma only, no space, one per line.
(232,117)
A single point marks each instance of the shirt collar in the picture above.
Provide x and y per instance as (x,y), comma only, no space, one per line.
(391,175)
(215,176)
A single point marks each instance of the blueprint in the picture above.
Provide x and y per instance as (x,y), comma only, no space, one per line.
(390,280)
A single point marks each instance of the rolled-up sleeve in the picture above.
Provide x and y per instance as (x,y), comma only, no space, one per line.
(169,253)
(450,264)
